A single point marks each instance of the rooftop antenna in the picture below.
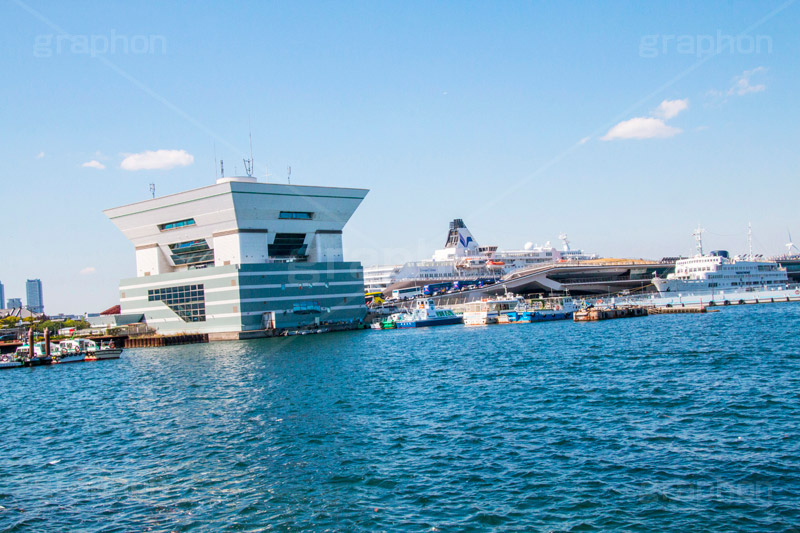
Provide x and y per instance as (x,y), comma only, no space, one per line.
(153,189)
(698,236)
(248,163)
(289,177)
(221,168)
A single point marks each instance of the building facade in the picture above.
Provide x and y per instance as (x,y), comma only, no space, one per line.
(15,303)
(2,296)
(33,296)
(242,256)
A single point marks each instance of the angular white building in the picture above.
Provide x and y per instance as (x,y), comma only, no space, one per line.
(242,256)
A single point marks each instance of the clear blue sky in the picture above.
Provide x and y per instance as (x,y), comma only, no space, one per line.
(524,119)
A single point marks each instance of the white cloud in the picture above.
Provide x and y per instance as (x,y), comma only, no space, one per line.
(670,108)
(94,164)
(158,159)
(641,128)
(741,83)
(653,127)
(584,140)
(40,155)
(88,270)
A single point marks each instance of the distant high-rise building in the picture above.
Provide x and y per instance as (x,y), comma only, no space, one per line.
(2,296)
(15,303)
(33,287)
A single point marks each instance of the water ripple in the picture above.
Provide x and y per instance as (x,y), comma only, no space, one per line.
(668,422)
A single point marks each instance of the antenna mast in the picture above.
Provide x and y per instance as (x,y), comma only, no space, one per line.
(698,236)
(250,133)
(750,241)
(153,189)
(248,163)
(289,177)
(221,168)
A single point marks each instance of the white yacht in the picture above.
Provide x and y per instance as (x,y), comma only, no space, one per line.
(463,259)
(718,272)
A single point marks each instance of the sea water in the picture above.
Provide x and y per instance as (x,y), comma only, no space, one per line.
(673,422)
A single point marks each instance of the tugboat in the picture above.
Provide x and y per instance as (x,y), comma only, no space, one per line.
(426,314)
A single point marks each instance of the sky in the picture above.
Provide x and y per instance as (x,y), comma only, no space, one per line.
(623,124)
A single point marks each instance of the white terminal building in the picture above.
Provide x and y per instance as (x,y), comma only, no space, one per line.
(240,257)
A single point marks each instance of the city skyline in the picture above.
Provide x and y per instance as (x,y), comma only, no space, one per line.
(524,120)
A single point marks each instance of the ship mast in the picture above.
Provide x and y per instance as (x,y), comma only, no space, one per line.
(750,241)
(698,236)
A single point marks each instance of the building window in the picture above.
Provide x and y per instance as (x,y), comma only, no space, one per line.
(176,225)
(186,301)
(288,245)
(191,252)
(296,215)
(306,308)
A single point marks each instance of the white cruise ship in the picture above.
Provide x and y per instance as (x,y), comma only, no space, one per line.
(463,258)
(718,272)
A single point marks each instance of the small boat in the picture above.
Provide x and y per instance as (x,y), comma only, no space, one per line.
(91,350)
(560,309)
(7,361)
(106,350)
(389,322)
(69,352)
(37,358)
(426,314)
(490,311)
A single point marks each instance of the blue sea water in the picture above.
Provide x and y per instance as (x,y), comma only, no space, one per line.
(676,422)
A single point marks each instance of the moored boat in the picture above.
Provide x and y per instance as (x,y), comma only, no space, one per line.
(490,311)
(717,272)
(91,350)
(7,361)
(31,358)
(426,314)
(551,309)
(103,352)
(69,351)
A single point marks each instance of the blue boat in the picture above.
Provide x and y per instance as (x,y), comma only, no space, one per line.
(426,315)
(516,317)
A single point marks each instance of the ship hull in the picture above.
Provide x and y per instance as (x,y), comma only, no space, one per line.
(430,322)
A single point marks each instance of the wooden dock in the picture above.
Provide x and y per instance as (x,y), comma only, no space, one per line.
(676,310)
(155,341)
(593,314)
